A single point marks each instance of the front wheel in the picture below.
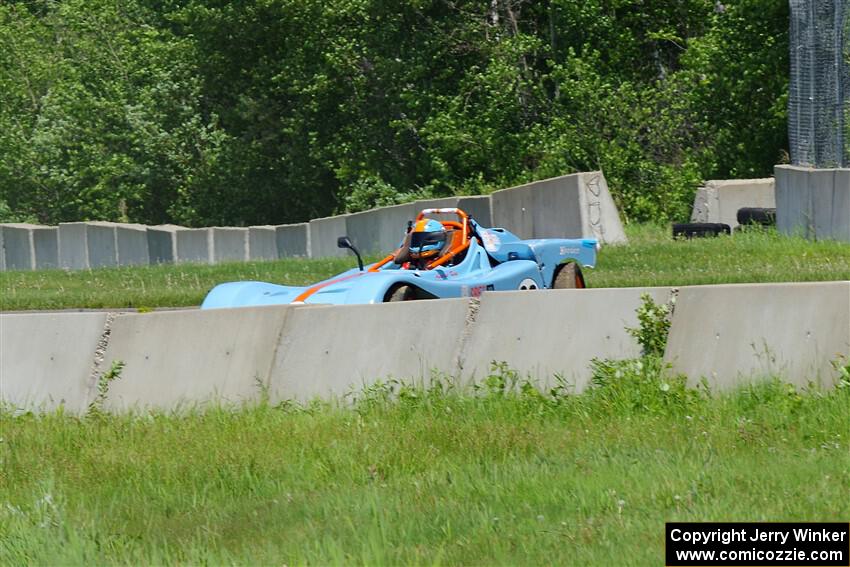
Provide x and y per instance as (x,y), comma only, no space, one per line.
(568,276)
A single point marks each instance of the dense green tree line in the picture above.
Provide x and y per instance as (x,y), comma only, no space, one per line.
(269,111)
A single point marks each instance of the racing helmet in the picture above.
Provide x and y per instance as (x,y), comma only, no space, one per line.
(427,238)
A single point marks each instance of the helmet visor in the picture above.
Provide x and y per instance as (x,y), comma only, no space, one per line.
(427,243)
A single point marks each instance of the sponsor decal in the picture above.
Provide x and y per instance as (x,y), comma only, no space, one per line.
(569,250)
(491,240)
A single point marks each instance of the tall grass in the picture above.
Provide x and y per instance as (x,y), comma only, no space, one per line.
(651,258)
(498,474)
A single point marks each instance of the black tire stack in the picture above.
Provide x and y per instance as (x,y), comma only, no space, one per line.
(747,216)
(700,229)
(759,216)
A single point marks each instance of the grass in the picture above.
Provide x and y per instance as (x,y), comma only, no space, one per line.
(651,258)
(498,475)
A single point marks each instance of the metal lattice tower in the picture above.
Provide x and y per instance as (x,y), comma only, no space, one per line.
(819,91)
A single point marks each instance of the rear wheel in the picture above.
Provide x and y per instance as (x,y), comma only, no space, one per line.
(568,276)
(401,293)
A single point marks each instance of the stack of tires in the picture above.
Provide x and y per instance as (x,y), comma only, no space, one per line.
(747,216)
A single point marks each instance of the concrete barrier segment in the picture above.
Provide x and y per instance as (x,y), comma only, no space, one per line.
(323,235)
(706,205)
(45,242)
(162,243)
(514,208)
(293,240)
(102,243)
(18,249)
(364,231)
(228,244)
(600,217)
(731,334)
(380,230)
(73,246)
(719,200)
(841,206)
(478,207)
(822,186)
(814,203)
(794,215)
(570,206)
(329,351)
(47,359)
(262,243)
(131,244)
(442,203)
(184,358)
(193,246)
(542,334)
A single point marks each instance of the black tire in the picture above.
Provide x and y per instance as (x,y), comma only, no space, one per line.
(401,293)
(757,215)
(568,276)
(700,229)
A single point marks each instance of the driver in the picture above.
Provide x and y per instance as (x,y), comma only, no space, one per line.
(427,239)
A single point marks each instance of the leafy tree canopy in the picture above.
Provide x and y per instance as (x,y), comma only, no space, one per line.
(205,112)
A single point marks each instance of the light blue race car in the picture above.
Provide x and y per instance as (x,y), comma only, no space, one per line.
(436,259)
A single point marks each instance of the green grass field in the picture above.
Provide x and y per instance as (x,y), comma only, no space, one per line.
(421,477)
(651,258)
(494,474)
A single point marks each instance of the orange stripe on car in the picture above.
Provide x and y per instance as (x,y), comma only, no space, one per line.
(310,291)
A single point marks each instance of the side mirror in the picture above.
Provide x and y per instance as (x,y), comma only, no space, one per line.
(345,242)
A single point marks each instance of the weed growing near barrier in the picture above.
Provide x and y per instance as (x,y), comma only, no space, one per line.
(653,325)
(651,259)
(498,474)
(95,408)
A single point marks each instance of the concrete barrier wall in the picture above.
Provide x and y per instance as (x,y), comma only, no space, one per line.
(293,240)
(262,243)
(323,235)
(572,206)
(73,246)
(719,200)
(578,205)
(84,245)
(45,241)
(732,333)
(162,244)
(192,246)
(17,246)
(228,244)
(380,230)
(48,359)
(131,245)
(477,206)
(102,249)
(173,359)
(728,334)
(349,346)
(555,332)
(814,203)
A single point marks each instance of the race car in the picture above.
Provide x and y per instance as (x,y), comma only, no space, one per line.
(435,259)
